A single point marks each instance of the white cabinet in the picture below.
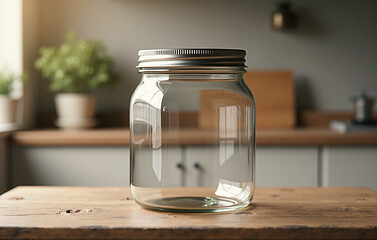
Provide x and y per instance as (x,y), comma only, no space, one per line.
(351,166)
(276,166)
(205,166)
(85,166)
(286,166)
(200,169)
(160,167)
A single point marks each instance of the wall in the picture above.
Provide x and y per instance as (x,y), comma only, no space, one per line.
(11,35)
(30,45)
(11,41)
(11,59)
(18,49)
(333,53)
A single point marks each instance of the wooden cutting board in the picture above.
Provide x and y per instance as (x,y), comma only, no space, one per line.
(274,97)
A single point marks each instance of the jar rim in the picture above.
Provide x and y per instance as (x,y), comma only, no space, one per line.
(192,59)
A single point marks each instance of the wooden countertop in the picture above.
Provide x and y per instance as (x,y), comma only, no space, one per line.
(120,137)
(110,213)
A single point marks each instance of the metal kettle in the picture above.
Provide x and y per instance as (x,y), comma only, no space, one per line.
(363,109)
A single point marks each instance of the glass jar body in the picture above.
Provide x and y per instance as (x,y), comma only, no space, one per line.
(192,142)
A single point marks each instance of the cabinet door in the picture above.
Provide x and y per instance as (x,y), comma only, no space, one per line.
(200,167)
(75,166)
(3,164)
(351,166)
(285,166)
(207,166)
(158,167)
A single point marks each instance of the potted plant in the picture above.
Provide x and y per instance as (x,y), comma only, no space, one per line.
(8,104)
(76,68)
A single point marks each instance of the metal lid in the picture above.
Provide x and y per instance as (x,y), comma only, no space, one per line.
(192,59)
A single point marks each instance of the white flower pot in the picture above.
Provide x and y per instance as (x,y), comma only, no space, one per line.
(8,109)
(75,111)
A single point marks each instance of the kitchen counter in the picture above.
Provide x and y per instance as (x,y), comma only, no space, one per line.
(110,213)
(120,136)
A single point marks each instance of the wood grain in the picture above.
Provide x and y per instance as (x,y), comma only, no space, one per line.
(274,96)
(114,120)
(56,137)
(313,136)
(121,137)
(307,118)
(213,101)
(110,213)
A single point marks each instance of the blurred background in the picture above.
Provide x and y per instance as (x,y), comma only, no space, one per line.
(331,54)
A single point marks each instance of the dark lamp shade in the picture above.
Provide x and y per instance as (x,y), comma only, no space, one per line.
(283,18)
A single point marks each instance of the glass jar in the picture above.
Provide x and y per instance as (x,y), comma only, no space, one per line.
(192,123)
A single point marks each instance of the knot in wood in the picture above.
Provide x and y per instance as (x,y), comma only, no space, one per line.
(16,198)
(346,209)
(68,212)
(127,198)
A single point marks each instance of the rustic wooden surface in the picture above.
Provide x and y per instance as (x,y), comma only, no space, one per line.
(111,213)
(115,137)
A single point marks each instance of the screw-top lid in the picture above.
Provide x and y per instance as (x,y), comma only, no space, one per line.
(192,59)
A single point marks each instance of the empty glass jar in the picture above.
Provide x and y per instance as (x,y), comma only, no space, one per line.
(192,122)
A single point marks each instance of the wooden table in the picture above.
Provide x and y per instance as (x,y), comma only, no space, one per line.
(110,213)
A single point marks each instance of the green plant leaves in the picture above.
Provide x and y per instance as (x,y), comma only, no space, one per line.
(77,66)
(6,81)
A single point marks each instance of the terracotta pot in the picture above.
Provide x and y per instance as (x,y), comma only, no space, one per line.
(8,109)
(75,111)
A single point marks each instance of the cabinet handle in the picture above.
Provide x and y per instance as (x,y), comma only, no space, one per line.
(198,177)
(180,166)
(197,166)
